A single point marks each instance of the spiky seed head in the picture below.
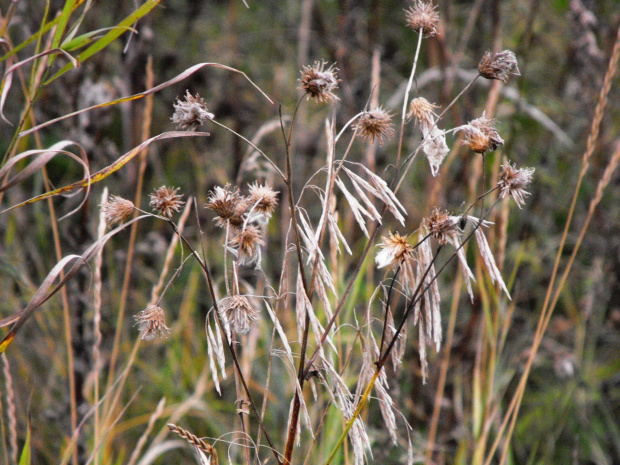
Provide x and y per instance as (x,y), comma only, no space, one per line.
(513,181)
(319,83)
(239,313)
(423,15)
(248,242)
(498,65)
(263,199)
(190,113)
(487,126)
(151,322)
(229,206)
(394,249)
(165,201)
(117,209)
(481,135)
(443,227)
(375,124)
(422,110)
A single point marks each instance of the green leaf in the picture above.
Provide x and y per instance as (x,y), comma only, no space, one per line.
(62,25)
(25,457)
(85,39)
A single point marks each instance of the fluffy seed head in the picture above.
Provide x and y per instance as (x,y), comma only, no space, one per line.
(481,135)
(263,198)
(422,110)
(151,322)
(239,313)
(498,65)
(394,249)
(319,83)
(166,201)
(248,243)
(375,124)
(513,181)
(443,227)
(423,15)
(117,209)
(228,205)
(190,113)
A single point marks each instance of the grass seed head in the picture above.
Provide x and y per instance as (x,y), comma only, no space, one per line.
(165,201)
(117,209)
(498,66)
(190,113)
(319,83)
(423,15)
(375,124)
(151,322)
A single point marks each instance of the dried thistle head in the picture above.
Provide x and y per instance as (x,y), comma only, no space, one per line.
(190,113)
(239,313)
(263,199)
(165,201)
(443,227)
(487,127)
(152,322)
(423,15)
(422,110)
(248,242)
(394,250)
(319,83)
(481,135)
(513,181)
(117,209)
(228,205)
(375,124)
(498,65)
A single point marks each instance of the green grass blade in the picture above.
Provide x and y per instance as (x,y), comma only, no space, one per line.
(25,457)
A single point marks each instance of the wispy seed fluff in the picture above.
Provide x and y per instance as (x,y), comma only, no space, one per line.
(319,83)
(151,322)
(375,124)
(263,199)
(498,65)
(481,135)
(434,145)
(239,314)
(513,181)
(165,201)
(247,244)
(229,206)
(190,113)
(117,209)
(423,15)
(397,252)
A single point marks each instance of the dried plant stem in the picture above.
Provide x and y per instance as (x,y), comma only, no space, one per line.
(149,427)
(9,395)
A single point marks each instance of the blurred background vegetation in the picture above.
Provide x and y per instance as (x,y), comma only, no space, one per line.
(571,408)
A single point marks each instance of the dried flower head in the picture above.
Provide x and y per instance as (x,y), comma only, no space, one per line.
(481,135)
(318,82)
(116,209)
(513,181)
(498,65)
(375,124)
(487,127)
(165,201)
(239,313)
(443,227)
(190,113)
(263,199)
(152,322)
(228,205)
(423,15)
(422,110)
(248,242)
(394,249)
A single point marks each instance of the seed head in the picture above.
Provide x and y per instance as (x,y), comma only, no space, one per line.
(498,65)
(443,227)
(394,249)
(239,313)
(248,243)
(166,201)
(228,205)
(318,82)
(375,124)
(422,110)
(423,15)
(263,198)
(190,113)
(481,135)
(513,181)
(117,209)
(152,322)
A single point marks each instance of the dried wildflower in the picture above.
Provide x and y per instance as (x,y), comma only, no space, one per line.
(116,209)
(263,199)
(190,113)
(239,314)
(152,322)
(318,82)
(423,15)
(498,65)
(422,110)
(513,181)
(166,201)
(394,250)
(443,227)
(247,243)
(375,124)
(228,205)
(481,135)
